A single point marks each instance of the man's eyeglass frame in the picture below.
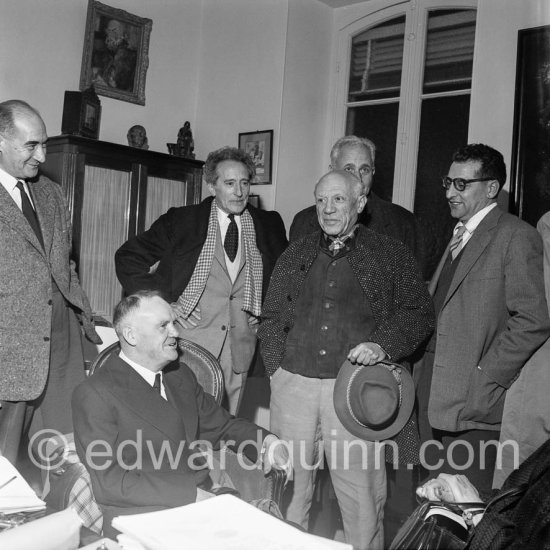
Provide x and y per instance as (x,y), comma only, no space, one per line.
(460,184)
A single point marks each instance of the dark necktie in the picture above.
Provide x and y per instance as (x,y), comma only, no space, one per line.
(156,385)
(231,242)
(29,213)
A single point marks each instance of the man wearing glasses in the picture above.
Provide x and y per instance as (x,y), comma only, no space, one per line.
(491,312)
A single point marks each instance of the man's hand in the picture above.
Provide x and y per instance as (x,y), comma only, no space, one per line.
(275,455)
(186,322)
(367,353)
(452,488)
(253,322)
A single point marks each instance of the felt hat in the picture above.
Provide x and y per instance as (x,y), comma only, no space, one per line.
(373,402)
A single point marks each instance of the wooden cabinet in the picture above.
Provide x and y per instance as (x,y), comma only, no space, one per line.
(114,192)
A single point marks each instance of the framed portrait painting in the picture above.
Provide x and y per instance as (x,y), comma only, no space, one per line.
(259,145)
(530,168)
(115,57)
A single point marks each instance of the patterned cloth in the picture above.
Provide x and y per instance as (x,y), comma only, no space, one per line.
(252,301)
(456,242)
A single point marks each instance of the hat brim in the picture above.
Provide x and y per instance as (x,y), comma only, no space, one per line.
(344,414)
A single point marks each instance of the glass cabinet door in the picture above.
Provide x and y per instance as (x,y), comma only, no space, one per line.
(105,219)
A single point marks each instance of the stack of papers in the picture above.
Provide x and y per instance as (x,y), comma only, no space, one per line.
(224,522)
(16,495)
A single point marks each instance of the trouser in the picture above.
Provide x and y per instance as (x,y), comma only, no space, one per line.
(51,411)
(53,407)
(234,382)
(302,413)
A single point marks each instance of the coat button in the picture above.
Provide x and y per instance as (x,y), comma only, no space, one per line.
(322,352)
(50,302)
(223,327)
(46,338)
(286,330)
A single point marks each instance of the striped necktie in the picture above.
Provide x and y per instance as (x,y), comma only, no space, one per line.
(456,241)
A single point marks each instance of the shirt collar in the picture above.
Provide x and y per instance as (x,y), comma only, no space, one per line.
(8,181)
(476,219)
(146,374)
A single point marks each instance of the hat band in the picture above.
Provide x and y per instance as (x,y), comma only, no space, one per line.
(393,368)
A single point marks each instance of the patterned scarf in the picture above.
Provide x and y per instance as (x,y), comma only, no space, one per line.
(338,243)
(252,301)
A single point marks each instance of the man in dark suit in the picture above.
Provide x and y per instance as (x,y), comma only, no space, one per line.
(139,418)
(357,155)
(488,292)
(343,292)
(215,260)
(41,302)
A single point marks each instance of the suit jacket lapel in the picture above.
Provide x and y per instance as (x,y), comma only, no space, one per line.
(45,211)
(474,249)
(134,392)
(182,398)
(12,215)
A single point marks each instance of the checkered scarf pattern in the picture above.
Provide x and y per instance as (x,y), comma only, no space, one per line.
(252,301)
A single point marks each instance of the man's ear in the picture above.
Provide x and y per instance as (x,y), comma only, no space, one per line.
(211,189)
(129,335)
(361,203)
(492,189)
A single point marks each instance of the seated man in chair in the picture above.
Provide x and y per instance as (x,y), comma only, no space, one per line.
(139,418)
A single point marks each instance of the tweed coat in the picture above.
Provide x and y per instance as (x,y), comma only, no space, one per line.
(493,318)
(379,215)
(26,273)
(176,239)
(150,440)
(391,282)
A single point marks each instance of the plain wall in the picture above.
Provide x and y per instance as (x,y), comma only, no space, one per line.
(41,43)
(231,66)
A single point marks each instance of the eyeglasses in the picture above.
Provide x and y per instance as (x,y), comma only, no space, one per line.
(460,183)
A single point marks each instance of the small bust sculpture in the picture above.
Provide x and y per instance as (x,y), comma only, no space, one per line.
(137,137)
(185,143)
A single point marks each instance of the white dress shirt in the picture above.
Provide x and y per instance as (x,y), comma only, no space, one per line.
(146,374)
(472,223)
(9,183)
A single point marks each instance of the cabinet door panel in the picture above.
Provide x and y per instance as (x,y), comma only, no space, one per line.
(105,218)
(162,194)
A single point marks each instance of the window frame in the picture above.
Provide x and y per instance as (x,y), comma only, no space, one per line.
(412,77)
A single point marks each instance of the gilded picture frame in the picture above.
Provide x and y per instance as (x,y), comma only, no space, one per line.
(115,55)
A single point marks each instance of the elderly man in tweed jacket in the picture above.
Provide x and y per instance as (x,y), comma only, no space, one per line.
(344,292)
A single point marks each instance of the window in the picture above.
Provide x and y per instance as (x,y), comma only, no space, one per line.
(407,87)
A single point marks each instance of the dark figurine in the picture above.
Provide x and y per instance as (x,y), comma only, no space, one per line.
(185,143)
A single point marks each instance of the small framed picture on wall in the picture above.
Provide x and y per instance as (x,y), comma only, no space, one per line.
(259,145)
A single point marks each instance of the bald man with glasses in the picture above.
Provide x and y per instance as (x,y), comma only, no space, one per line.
(488,292)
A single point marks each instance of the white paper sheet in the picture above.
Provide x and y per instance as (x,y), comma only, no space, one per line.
(16,495)
(224,522)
